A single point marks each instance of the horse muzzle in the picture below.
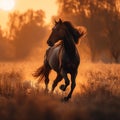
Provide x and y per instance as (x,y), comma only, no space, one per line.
(50,43)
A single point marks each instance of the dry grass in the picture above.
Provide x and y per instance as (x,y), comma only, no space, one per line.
(96,97)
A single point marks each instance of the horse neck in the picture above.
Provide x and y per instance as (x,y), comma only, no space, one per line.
(69,45)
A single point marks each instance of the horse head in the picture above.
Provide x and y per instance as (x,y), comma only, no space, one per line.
(57,33)
(61,29)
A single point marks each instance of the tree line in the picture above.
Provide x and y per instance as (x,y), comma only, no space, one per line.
(102,20)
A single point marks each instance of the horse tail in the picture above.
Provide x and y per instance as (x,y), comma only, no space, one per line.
(42,72)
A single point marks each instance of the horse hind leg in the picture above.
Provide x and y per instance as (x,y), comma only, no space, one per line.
(46,82)
(47,72)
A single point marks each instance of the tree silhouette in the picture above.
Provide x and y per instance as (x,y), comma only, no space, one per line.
(5,48)
(102,21)
(27,31)
(1,45)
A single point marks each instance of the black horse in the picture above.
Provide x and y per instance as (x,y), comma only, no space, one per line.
(63,57)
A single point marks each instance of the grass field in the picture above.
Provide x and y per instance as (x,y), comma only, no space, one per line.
(96,96)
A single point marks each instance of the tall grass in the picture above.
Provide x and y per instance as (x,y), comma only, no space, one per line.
(96,96)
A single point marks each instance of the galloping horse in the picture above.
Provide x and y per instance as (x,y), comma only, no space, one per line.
(63,57)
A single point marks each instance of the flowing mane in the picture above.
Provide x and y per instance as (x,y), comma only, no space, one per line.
(73,31)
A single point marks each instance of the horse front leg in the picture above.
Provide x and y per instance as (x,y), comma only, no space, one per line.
(73,84)
(56,81)
(67,82)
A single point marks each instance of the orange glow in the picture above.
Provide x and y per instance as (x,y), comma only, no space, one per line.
(48,6)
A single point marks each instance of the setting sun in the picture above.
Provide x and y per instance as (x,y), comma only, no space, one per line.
(49,7)
(7,5)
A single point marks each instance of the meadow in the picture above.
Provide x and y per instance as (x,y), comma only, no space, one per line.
(96,96)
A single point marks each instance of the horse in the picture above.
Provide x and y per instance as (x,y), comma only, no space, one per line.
(63,57)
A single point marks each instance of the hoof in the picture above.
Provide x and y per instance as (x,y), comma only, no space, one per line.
(46,91)
(62,87)
(65,99)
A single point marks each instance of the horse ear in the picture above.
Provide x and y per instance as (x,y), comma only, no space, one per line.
(56,22)
(60,21)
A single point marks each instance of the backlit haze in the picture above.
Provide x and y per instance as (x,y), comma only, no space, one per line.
(28,21)
(7,6)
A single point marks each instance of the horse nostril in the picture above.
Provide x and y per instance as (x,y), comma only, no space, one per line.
(49,43)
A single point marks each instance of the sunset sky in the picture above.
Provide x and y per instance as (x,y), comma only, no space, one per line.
(7,6)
